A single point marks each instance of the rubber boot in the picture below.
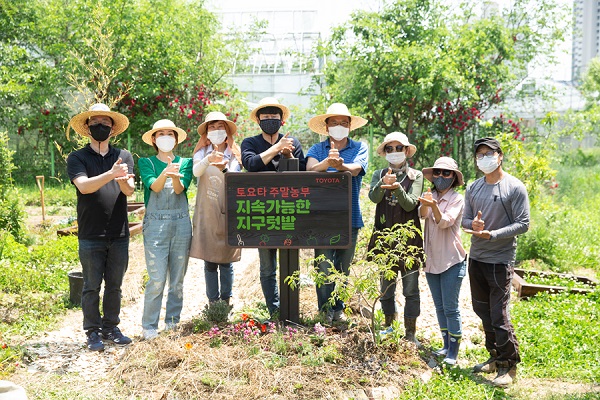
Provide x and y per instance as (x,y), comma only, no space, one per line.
(443,351)
(390,318)
(453,346)
(489,365)
(410,324)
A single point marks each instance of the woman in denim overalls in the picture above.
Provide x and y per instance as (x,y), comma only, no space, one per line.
(167,227)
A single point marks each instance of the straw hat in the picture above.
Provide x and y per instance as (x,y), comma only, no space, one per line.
(217,116)
(270,102)
(79,122)
(317,124)
(444,163)
(164,124)
(397,137)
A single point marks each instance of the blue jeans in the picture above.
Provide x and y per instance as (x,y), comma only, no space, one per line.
(445,289)
(167,248)
(211,277)
(410,291)
(341,260)
(268,278)
(102,259)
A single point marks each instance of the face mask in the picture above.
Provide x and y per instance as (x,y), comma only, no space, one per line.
(100,132)
(396,158)
(487,165)
(442,183)
(165,143)
(217,137)
(338,132)
(270,126)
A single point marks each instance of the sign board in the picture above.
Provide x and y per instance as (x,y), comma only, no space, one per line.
(289,209)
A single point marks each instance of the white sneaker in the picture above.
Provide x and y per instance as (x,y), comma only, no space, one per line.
(150,334)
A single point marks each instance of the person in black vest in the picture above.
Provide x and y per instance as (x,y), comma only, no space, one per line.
(103,176)
(396,190)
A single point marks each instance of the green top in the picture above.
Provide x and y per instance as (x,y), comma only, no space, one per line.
(151,168)
(408,201)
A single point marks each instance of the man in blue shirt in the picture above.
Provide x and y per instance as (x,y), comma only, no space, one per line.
(262,153)
(338,153)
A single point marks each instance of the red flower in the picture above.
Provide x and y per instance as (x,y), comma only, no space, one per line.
(244,317)
(251,322)
(263,327)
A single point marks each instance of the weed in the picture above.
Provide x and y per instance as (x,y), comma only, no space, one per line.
(216,312)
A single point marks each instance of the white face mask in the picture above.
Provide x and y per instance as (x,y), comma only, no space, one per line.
(487,165)
(217,137)
(338,132)
(165,143)
(396,158)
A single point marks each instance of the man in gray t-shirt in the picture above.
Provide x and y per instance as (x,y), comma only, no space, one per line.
(496,211)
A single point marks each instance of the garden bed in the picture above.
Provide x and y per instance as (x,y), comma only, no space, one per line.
(530,282)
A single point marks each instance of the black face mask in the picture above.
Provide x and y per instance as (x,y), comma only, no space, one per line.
(100,132)
(270,126)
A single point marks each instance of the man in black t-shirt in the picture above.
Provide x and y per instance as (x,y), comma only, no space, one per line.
(103,176)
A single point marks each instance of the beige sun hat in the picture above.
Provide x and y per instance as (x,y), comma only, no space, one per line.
(397,137)
(79,121)
(217,116)
(270,102)
(317,124)
(444,163)
(164,124)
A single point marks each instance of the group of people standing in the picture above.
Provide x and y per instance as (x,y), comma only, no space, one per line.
(494,210)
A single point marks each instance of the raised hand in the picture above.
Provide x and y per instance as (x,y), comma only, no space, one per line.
(172,169)
(389,180)
(215,157)
(286,145)
(120,171)
(478,224)
(427,199)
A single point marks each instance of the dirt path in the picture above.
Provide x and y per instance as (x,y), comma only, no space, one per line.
(59,359)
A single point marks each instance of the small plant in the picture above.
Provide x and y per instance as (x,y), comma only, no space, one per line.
(216,312)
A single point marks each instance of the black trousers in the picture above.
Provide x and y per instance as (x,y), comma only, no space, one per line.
(490,293)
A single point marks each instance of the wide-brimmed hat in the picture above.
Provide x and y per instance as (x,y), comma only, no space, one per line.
(397,137)
(444,163)
(79,121)
(489,142)
(164,124)
(270,102)
(217,116)
(317,124)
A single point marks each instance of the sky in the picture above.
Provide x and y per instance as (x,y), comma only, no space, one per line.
(331,13)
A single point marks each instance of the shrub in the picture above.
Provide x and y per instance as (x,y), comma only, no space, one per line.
(11,211)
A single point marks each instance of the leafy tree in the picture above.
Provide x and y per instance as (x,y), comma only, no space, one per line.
(152,59)
(419,68)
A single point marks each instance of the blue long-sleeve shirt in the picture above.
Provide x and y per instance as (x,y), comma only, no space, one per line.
(505,211)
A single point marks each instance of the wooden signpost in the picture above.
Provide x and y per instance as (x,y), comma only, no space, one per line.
(289,211)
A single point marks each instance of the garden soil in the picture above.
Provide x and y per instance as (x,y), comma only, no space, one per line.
(59,358)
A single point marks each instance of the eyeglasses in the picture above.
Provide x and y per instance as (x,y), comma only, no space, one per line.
(390,149)
(444,172)
(345,124)
(489,153)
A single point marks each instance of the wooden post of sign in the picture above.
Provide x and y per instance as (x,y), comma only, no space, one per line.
(289,300)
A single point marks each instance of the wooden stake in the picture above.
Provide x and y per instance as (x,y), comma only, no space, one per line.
(39,178)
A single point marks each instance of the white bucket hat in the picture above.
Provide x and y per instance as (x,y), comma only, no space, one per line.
(164,124)
(397,137)
(270,102)
(79,121)
(217,116)
(317,124)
